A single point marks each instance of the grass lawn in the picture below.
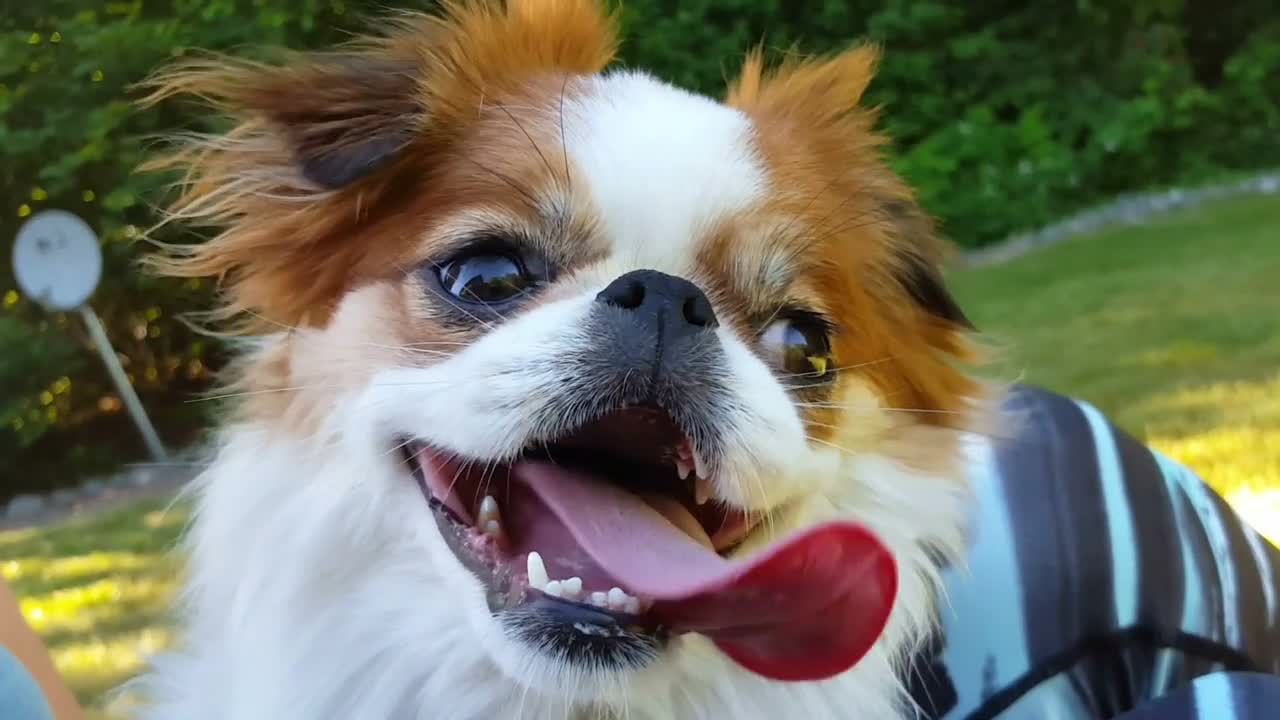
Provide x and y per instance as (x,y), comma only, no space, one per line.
(98,591)
(1173,328)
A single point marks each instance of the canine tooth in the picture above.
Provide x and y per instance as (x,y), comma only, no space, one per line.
(701,490)
(571,589)
(537,572)
(618,599)
(632,606)
(599,599)
(554,589)
(700,467)
(492,528)
(683,468)
(488,511)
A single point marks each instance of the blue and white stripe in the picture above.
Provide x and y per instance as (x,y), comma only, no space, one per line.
(1102,577)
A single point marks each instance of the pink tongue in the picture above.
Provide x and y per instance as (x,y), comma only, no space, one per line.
(805,608)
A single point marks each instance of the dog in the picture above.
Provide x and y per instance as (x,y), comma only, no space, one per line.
(564,392)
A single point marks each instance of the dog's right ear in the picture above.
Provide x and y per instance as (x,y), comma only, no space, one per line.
(333,119)
(315,144)
(342,117)
(323,147)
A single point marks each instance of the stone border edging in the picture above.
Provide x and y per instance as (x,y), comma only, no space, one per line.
(1124,210)
(133,482)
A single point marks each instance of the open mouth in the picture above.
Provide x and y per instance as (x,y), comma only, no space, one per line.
(613,531)
(503,525)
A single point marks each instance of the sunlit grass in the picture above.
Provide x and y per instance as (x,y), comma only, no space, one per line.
(1172,328)
(98,592)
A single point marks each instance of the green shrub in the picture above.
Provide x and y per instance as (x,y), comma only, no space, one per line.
(70,137)
(1003,115)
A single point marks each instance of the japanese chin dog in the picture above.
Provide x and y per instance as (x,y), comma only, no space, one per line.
(565,393)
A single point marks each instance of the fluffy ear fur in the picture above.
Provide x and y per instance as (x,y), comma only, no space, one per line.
(821,97)
(822,90)
(822,145)
(324,146)
(920,262)
(311,150)
(343,117)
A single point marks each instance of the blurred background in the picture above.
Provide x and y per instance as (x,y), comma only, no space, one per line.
(1110,168)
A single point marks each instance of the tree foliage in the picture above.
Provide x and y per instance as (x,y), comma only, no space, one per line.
(1004,115)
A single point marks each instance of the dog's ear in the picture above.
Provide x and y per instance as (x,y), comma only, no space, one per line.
(311,153)
(324,149)
(822,89)
(819,97)
(918,268)
(328,119)
(342,117)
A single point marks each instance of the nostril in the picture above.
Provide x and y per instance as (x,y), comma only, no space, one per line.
(628,296)
(697,311)
(657,295)
(633,297)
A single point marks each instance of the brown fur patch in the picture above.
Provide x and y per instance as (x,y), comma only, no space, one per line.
(289,245)
(841,224)
(341,168)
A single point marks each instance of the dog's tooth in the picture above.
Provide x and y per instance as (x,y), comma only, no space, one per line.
(538,578)
(488,511)
(600,599)
(618,599)
(683,468)
(492,528)
(571,589)
(700,467)
(632,606)
(554,589)
(701,490)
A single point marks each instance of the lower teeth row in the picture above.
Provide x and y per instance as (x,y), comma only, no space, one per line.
(616,599)
(489,520)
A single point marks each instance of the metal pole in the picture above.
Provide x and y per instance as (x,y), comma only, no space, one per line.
(127,394)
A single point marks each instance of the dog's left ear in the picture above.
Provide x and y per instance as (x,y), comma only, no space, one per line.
(820,97)
(918,268)
(925,285)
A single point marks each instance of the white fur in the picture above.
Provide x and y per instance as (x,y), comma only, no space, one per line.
(661,165)
(321,589)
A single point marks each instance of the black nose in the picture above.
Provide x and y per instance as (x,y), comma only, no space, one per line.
(671,306)
(653,336)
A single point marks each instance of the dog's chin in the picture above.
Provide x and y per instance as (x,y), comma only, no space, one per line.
(555,609)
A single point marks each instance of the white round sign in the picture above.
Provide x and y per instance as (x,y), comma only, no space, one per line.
(56,260)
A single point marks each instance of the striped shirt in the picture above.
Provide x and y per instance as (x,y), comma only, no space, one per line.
(1101,576)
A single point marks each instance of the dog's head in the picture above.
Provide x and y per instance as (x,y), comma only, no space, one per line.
(616,353)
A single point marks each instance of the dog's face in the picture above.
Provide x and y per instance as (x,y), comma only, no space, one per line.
(612,341)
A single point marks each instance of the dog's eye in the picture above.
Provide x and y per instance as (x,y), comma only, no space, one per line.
(486,277)
(799,347)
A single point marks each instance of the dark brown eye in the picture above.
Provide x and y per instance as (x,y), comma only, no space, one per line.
(487,278)
(800,348)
